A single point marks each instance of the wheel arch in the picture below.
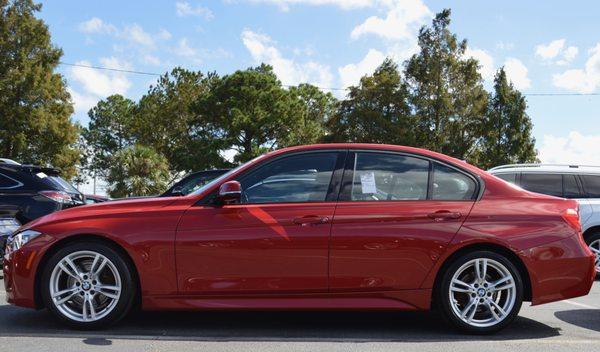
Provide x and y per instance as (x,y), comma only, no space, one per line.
(39,303)
(588,232)
(496,248)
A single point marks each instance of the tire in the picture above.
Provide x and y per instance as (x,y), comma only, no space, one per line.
(593,241)
(88,299)
(486,302)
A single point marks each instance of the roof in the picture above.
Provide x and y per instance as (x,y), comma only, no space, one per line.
(8,161)
(550,168)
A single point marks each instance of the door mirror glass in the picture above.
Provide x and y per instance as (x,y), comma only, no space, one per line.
(230,192)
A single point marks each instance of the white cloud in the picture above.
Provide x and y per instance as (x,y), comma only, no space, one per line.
(505,45)
(284,5)
(402,20)
(135,33)
(99,83)
(96,25)
(82,102)
(517,73)
(486,62)
(556,50)
(262,49)
(151,60)
(575,148)
(351,74)
(164,34)
(183,9)
(584,80)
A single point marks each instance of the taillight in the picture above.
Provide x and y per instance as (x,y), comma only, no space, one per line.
(571,217)
(57,196)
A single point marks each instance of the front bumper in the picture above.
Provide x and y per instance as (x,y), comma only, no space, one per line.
(560,270)
(20,272)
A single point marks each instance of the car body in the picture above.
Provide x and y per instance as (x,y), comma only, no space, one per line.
(35,191)
(331,226)
(192,182)
(578,182)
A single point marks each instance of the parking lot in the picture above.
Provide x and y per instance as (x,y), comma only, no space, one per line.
(572,325)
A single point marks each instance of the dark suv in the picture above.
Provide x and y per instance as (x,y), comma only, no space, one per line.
(35,191)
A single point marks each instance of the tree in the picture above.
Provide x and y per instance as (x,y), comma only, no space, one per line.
(448,97)
(315,109)
(251,110)
(137,171)
(507,129)
(166,122)
(376,111)
(109,131)
(35,107)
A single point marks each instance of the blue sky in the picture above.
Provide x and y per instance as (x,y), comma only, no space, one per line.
(549,48)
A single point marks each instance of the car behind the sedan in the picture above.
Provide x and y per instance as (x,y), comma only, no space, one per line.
(334,226)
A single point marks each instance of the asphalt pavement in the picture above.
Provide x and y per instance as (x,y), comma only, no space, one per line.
(572,325)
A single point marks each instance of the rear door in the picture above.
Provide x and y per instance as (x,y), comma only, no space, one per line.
(396,215)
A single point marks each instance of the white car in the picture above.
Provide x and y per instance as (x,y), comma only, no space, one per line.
(581,183)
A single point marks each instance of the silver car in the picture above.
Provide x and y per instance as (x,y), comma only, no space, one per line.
(578,182)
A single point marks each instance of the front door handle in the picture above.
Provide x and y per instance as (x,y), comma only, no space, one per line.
(311,220)
(444,215)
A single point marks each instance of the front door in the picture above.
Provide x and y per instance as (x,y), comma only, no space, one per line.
(275,241)
(396,215)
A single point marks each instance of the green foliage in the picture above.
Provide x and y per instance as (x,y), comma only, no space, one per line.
(109,131)
(376,111)
(251,111)
(35,107)
(166,121)
(507,128)
(137,171)
(447,93)
(314,109)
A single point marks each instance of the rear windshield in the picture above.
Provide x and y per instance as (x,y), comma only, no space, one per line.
(57,183)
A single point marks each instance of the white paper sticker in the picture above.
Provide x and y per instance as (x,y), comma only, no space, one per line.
(367,181)
(41,175)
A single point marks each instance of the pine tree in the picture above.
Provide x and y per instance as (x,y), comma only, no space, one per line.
(507,130)
(447,91)
(35,107)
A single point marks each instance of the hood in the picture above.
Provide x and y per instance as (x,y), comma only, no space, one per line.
(101,209)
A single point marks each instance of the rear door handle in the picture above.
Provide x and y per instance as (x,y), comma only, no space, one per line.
(444,215)
(311,220)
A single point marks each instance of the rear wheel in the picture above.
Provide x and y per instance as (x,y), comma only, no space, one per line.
(481,292)
(593,241)
(88,285)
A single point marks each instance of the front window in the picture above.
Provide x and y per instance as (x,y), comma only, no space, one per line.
(298,178)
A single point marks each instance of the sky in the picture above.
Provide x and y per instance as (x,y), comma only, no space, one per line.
(550,48)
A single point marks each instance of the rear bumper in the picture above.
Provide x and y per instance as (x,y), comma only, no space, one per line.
(559,270)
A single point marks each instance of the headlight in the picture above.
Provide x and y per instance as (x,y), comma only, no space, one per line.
(18,240)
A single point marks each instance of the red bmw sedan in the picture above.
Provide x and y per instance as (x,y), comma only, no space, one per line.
(336,226)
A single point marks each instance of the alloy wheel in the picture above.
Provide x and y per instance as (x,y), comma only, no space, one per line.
(595,247)
(482,292)
(85,286)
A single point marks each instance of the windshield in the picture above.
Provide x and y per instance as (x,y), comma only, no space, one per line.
(222,177)
(59,183)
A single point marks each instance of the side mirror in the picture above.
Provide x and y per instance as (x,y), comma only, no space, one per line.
(230,192)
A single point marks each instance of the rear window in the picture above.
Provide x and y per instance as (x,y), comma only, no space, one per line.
(591,184)
(550,184)
(512,178)
(57,183)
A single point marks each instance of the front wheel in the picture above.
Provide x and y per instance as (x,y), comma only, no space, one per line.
(481,292)
(88,285)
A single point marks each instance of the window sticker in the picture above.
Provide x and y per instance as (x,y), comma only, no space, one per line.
(367,181)
(41,175)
